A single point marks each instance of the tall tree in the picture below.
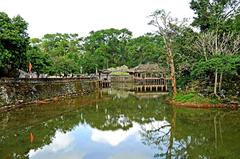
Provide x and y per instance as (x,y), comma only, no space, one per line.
(168,28)
(14,41)
(65,52)
(148,48)
(215,49)
(215,18)
(214,13)
(40,60)
(109,44)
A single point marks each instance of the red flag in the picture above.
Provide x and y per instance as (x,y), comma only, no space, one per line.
(30,68)
(31,137)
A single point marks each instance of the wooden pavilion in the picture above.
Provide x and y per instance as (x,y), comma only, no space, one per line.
(149,77)
(104,78)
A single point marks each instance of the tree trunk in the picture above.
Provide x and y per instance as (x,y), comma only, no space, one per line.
(172,69)
(171,137)
(215,131)
(220,82)
(215,83)
(205,52)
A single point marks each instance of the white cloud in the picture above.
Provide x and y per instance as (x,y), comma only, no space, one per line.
(67,145)
(60,142)
(114,138)
(82,16)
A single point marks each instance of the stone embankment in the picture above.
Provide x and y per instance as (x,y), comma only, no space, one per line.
(15,92)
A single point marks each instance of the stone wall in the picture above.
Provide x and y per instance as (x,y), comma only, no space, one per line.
(21,91)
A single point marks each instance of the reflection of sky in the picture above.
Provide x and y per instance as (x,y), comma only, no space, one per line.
(113,138)
(84,142)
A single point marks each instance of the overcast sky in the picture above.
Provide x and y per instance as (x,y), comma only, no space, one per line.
(83,16)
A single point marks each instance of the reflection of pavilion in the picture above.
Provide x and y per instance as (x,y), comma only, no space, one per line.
(150,88)
(123,93)
(148,95)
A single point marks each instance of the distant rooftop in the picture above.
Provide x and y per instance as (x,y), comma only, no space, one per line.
(147,68)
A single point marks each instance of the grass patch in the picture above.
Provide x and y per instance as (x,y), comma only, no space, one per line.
(192,97)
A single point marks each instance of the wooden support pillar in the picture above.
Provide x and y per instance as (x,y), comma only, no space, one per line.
(166,85)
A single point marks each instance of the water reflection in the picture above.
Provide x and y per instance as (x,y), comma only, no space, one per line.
(113,138)
(85,142)
(60,142)
(118,124)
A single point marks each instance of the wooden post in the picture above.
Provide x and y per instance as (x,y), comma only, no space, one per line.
(166,86)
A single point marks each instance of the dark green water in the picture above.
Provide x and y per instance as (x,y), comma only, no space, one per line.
(118,125)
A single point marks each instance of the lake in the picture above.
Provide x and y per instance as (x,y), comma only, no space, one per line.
(117,124)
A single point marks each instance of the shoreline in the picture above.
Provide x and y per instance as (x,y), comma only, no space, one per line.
(203,105)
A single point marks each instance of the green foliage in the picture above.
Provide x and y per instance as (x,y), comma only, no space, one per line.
(56,54)
(227,68)
(64,65)
(145,49)
(13,43)
(193,97)
(225,64)
(213,14)
(113,47)
(39,60)
(107,48)
(184,55)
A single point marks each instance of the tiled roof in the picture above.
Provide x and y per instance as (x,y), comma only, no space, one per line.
(147,68)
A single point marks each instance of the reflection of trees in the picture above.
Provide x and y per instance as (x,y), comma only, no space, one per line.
(156,137)
(42,121)
(121,113)
(183,136)
(107,113)
(161,137)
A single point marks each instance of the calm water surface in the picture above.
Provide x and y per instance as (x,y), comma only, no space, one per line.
(118,125)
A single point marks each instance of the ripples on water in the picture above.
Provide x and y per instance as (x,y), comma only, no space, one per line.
(118,125)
